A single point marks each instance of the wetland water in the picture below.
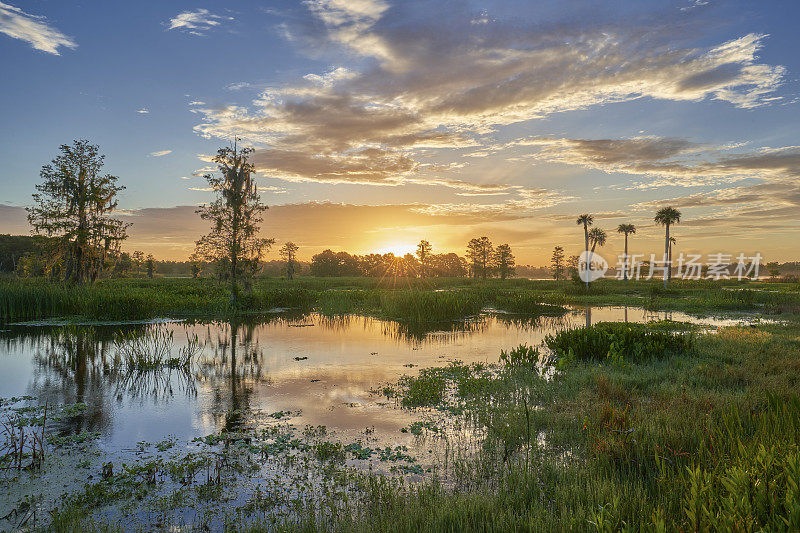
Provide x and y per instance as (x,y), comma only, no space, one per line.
(327,369)
(298,370)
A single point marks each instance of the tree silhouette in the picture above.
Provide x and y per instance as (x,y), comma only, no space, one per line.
(289,254)
(672,241)
(424,249)
(504,261)
(572,267)
(138,260)
(72,205)
(330,263)
(196,262)
(774,269)
(557,262)
(586,220)
(667,216)
(627,229)
(596,237)
(235,217)
(150,265)
(480,253)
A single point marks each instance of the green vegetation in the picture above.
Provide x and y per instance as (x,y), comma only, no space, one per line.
(427,389)
(619,341)
(695,431)
(152,351)
(521,355)
(638,428)
(704,440)
(424,306)
(413,300)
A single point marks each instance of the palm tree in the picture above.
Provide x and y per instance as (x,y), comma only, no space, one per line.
(666,216)
(627,229)
(671,242)
(586,220)
(597,236)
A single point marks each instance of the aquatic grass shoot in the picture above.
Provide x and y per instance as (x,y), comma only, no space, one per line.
(153,350)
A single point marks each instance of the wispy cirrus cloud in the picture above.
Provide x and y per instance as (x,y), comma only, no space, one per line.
(418,84)
(33,29)
(196,22)
(160,153)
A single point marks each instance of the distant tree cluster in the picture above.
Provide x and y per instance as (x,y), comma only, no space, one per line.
(485,261)
(329,263)
(482,261)
(18,251)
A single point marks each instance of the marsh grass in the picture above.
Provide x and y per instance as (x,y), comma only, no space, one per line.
(413,300)
(618,341)
(428,306)
(702,440)
(153,350)
(697,440)
(522,355)
(692,433)
(425,390)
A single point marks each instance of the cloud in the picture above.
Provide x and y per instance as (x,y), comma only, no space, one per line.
(760,185)
(143,111)
(196,22)
(236,86)
(160,153)
(671,161)
(522,206)
(443,82)
(764,200)
(33,29)
(172,231)
(315,225)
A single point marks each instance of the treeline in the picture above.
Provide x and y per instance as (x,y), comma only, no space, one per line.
(14,248)
(329,263)
(482,260)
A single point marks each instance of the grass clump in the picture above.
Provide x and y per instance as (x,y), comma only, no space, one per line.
(425,390)
(528,302)
(153,350)
(617,340)
(417,306)
(749,481)
(522,355)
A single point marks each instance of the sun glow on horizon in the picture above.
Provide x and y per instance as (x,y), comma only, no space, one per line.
(399,249)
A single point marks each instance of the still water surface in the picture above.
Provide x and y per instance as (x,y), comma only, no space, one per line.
(324,371)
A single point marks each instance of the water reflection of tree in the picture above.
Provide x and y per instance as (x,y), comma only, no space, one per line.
(78,364)
(232,369)
(447,332)
(533,322)
(405,332)
(71,366)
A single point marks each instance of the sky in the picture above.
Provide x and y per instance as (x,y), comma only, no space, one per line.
(377,123)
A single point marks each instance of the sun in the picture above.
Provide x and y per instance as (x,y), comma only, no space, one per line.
(399,249)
